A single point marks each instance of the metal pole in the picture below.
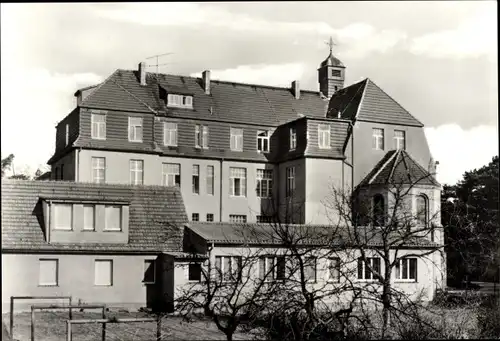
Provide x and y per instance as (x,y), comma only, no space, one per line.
(32,324)
(70,310)
(158,328)
(104,324)
(11,316)
(68,330)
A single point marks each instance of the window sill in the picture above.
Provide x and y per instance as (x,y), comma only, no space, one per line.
(63,230)
(333,281)
(367,280)
(103,285)
(88,230)
(112,230)
(170,145)
(405,281)
(99,138)
(48,285)
(135,141)
(237,196)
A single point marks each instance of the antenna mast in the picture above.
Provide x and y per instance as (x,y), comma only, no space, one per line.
(157,61)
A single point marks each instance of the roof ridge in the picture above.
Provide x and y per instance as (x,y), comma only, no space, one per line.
(362,97)
(381,168)
(398,153)
(375,84)
(421,167)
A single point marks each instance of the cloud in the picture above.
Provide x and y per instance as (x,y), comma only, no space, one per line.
(474,37)
(356,40)
(459,150)
(33,101)
(274,75)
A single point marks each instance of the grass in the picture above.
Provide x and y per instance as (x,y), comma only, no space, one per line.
(51,326)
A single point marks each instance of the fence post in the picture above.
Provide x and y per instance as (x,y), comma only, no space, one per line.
(68,330)
(70,310)
(32,324)
(104,324)
(11,316)
(158,328)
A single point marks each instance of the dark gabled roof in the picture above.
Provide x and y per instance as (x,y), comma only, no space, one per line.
(366,101)
(228,101)
(397,167)
(156,219)
(307,235)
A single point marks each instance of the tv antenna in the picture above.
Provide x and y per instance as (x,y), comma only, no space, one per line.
(158,61)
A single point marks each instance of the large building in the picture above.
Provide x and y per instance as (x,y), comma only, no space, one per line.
(237,151)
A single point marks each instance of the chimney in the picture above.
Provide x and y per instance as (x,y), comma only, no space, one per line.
(296,89)
(142,73)
(206,81)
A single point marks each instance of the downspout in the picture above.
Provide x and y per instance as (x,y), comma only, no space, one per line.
(220,192)
(77,165)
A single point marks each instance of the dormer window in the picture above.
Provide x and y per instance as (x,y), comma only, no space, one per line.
(181,101)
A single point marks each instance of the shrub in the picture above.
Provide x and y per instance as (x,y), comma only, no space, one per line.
(488,321)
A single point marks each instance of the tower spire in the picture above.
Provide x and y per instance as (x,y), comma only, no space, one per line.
(330,43)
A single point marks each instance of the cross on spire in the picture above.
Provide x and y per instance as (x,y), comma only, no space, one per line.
(331,44)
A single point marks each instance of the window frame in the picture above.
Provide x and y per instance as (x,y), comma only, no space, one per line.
(180,101)
(378,140)
(85,229)
(98,168)
(324,136)
(56,275)
(209,217)
(193,215)
(235,136)
(364,268)
(168,132)
(331,261)
(135,171)
(264,176)
(290,181)
(201,136)
(232,261)
(120,222)
(292,139)
(95,131)
(235,218)
(72,218)
(400,265)
(153,264)
(195,180)
(133,128)
(200,268)
(111,275)
(314,267)
(242,182)
(263,140)
(166,174)
(425,222)
(210,176)
(398,139)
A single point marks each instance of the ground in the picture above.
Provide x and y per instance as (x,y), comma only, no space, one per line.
(51,326)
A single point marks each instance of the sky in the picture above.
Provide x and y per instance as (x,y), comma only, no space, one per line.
(437,59)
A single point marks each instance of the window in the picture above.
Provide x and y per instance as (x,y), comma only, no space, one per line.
(399,139)
(88,217)
(378,139)
(149,271)
(263,141)
(63,214)
(135,129)
(98,126)
(171,174)
(264,183)
(180,101)
(406,269)
(113,215)
(99,170)
(336,73)
(103,272)
(196,179)
(422,210)
(210,180)
(136,172)
(67,134)
(194,272)
(293,138)
(229,267)
(170,134)
(364,271)
(310,269)
(334,269)
(235,218)
(290,181)
(48,272)
(210,217)
(236,139)
(264,219)
(201,136)
(272,268)
(378,210)
(195,217)
(324,136)
(238,182)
